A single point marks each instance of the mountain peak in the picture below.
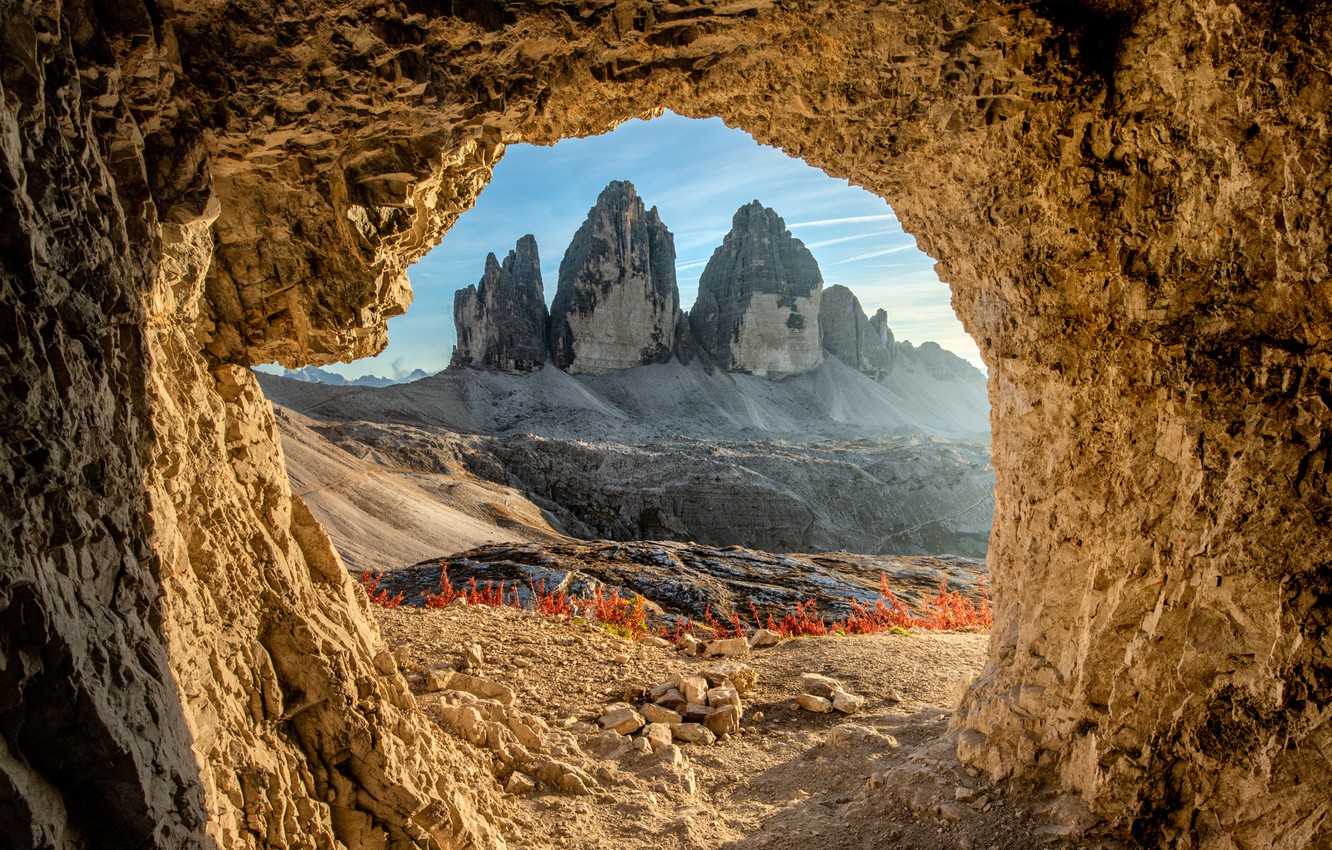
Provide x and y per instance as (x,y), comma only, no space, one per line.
(617,302)
(758,298)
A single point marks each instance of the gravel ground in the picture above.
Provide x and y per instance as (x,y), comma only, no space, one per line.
(885,777)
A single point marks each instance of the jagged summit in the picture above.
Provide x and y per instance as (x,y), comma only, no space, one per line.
(758,298)
(617,303)
(761,306)
(502,320)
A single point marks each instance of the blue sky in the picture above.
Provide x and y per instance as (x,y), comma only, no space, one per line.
(697,173)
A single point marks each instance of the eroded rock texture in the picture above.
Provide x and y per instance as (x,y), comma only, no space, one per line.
(502,321)
(1128,199)
(758,299)
(617,304)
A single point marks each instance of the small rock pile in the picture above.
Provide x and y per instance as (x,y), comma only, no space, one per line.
(729,647)
(822,695)
(526,750)
(689,708)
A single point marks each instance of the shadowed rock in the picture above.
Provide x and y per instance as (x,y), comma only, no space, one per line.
(502,320)
(850,336)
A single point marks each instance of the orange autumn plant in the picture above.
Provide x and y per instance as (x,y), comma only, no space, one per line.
(944,610)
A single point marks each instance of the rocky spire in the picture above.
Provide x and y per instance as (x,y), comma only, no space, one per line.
(758,298)
(617,304)
(853,338)
(502,320)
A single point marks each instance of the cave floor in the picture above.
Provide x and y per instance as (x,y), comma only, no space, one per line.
(888,778)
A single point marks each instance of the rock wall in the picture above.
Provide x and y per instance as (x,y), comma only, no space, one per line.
(502,321)
(758,299)
(617,304)
(1127,198)
(848,334)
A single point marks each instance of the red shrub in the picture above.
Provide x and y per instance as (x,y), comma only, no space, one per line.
(370,582)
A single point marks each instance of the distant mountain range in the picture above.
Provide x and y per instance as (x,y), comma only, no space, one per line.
(315,375)
(761,310)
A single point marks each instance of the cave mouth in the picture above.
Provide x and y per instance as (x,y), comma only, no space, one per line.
(897,461)
(1132,236)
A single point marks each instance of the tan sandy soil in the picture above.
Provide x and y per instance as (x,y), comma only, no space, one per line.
(783,782)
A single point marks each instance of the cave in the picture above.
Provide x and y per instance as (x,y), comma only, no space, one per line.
(1127,197)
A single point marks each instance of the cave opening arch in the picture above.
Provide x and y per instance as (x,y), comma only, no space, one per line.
(1126,238)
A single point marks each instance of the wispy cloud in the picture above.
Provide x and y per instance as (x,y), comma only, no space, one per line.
(851,219)
(872,254)
(839,240)
(690,265)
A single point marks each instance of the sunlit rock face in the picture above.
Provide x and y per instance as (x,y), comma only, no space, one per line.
(502,320)
(1127,198)
(617,304)
(758,299)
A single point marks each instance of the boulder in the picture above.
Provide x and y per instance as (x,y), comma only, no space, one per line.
(657,714)
(694,733)
(819,685)
(694,688)
(622,719)
(658,735)
(723,696)
(729,647)
(847,703)
(739,676)
(764,638)
(818,705)
(724,720)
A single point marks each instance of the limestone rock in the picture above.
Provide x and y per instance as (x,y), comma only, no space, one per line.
(654,713)
(694,733)
(474,685)
(850,736)
(617,304)
(695,712)
(519,783)
(758,299)
(658,735)
(819,685)
(764,638)
(621,718)
(734,674)
(847,703)
(723,696)
(502,321)
(850,336)
(723,720)
(694,688)
(818,705)
(672,700)
(690,645)
(729,647)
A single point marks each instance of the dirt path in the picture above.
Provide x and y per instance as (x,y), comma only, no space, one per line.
(886,777)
